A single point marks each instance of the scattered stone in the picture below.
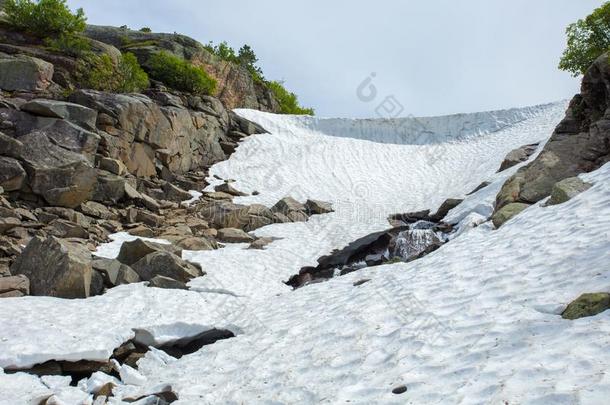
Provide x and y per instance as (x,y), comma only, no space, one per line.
(166,283)
(234,235)
(165,264)
(67,229)
(261,243)
(56,268)
(507,212)
(567,189)
(587,305)
(141,231)
(315,207)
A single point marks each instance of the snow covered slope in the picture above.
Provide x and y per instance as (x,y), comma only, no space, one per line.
(475,322)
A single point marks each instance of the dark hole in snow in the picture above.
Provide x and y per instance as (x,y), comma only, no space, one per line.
(401,389)
(190,345)
(414,236)
(360,282)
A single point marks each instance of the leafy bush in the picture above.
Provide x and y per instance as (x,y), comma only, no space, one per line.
(180,74)
(288,101)
(132,78)
(145,29)
(72,45)
(99,72)
(587,40)
(44,18)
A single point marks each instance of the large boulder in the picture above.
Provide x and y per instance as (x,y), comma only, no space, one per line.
(232,235)
(517,156)
(167,265)
(78,114)
(316,207)
(14,286)
(580,143)
(507,212)
(291,208)
(10,146)
(24,73)
(133,251)
(63,178)
(12,175)
(567,189)
(55,268)
(587,305)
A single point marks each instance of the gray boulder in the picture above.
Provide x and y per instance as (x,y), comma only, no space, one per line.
(10,147)
(166,283)
(12,175)
(316,207)
(24,73)
(133,251)
(55,268)
(63,178)
(78,114)
(227,188)
(14,286)
(567,189)
(167,265)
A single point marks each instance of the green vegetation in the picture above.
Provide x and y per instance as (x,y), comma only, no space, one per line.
(145,29)
(45,18)
(246,57)
(72,45)
(99,72)
(289,103)
(588,39)
(180,74)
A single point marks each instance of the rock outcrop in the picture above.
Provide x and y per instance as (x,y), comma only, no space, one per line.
(236,88)
(580,143)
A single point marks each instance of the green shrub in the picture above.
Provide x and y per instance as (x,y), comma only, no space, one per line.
(98,72)
(132,78)
(588,39)
(180,74)
(289,102)
(145,29)
(44,18)
(72,45)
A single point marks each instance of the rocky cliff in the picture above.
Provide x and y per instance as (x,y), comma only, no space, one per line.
(580,144)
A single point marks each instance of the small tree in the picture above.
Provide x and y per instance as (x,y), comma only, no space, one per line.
(588,39)
(45,18)
(145,29)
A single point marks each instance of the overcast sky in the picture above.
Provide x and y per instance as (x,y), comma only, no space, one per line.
(434,56)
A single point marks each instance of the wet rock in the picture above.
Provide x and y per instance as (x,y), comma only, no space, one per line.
(507,212)
(315,207)
(567,189)
(78,114)
(17,284)
(166,283)
(233,235)
(56,268)
(587,305)
(165,264)
(24,73)
(133,251)
(517,156)
(12,175)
